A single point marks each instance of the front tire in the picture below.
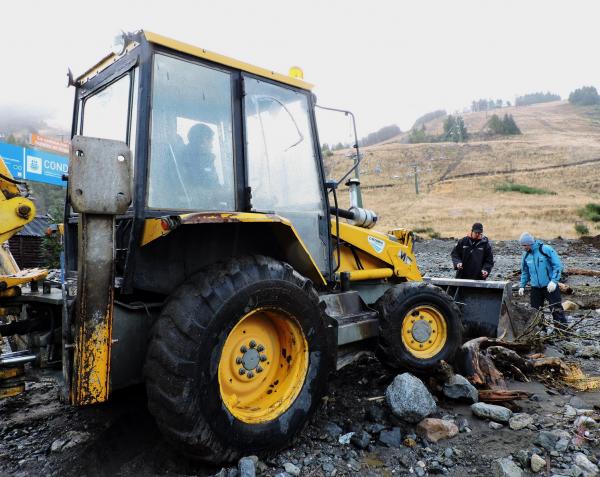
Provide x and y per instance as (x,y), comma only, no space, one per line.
(419,326)
(238,360)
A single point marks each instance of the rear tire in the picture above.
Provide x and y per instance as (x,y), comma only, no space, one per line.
(419,325)
(248,313)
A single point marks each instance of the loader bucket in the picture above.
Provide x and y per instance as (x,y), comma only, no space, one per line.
(484,305)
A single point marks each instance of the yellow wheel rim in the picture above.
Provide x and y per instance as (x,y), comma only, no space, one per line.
(424,331)
(263,365)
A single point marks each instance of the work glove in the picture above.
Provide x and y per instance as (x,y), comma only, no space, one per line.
(521,291)
(484,273)
(459,266)
(551,287)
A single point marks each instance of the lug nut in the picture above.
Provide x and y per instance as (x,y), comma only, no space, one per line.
(263,357)
(238,360)
(242,371)
(252,344)
(259,369)
(250,375)
(260,348)
(243,349)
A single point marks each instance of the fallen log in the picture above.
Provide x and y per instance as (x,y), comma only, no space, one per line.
(501,395)
(477,366)
(508,360)
(582,271)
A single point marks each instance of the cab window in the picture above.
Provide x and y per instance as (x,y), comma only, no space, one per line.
(191,138)
(105,112)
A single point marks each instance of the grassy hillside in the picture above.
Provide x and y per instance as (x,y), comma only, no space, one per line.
(559,152)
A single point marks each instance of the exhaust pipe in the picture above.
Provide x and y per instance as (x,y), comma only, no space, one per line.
(358,216)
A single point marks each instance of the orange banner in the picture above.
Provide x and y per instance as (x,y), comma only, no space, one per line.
(50,144)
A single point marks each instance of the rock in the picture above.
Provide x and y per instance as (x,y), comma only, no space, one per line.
(571,347)
(332,429)
(328,468)
(495,425)
(374,428)
(436,429)
(282,474)
(292,469)
(70,439)
(520,421)
(569,305)
(589,469)
(361,439)
(522,457)
(570,411)
(505,467)
(345,438)
(462,424)
(579,403)
(391,438)
(461,389)
(409,442)
(57,445)
(247,467)
(590,351)
(409,399)
(551,440)
(491,411)
(537,463)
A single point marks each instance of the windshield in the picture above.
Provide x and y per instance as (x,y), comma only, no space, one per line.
(191,154)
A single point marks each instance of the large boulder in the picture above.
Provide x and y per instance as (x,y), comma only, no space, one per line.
(553,440)
(491,411)
(458,387)
(584,467)
(520,420)
(506,467)
(436,429)
(409,399)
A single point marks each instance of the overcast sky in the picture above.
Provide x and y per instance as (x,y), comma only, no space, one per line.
(387,61)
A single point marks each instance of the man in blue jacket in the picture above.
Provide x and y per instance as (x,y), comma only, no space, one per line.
(540,266)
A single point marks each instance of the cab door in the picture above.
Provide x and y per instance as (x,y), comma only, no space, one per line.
(283,169)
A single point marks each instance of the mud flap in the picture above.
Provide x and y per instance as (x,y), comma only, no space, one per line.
(99,189)
(485,306)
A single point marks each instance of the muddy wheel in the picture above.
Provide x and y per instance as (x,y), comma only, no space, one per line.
(419,326)
(238,360)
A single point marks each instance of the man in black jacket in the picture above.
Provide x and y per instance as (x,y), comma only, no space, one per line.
(472,256)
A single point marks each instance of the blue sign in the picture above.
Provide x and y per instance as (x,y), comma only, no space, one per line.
(32,165)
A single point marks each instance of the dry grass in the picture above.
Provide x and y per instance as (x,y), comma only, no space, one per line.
(554,134)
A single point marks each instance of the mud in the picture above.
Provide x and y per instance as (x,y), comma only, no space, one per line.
(39,435)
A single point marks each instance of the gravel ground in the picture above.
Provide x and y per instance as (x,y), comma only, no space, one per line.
(41,436)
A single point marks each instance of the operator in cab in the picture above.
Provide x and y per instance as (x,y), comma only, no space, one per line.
(472,256)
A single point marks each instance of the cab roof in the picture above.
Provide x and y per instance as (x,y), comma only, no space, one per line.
(198,52)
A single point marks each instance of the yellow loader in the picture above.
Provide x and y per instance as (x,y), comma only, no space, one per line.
(204,257)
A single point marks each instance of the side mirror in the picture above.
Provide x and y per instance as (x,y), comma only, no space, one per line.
(99,176)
